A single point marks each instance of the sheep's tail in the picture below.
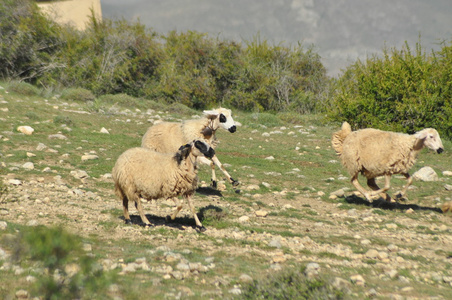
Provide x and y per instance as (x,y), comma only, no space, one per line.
(339,137)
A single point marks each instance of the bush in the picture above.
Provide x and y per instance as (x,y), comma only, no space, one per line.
(23,88)
(290,284)
(401,91)
(55,249)
(78,95)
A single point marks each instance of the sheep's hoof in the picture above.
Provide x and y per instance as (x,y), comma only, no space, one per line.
(128,221)
(235,183)
(168,219)
(148,225)
(401,197)
(214,184)
(200,228)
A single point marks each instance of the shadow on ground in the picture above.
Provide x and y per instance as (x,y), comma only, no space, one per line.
(383,204)
(180,222)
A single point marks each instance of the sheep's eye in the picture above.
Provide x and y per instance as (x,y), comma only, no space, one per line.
(222,118)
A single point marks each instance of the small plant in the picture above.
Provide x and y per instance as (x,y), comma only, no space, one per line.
(63,120)
(291,284)
(78,95)
(71,274)
(23,88)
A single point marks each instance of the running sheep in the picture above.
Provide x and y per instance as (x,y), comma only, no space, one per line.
(166,137)
(144,173)
(374,153)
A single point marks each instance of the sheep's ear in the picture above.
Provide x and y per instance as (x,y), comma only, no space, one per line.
(421,134)
(211,114)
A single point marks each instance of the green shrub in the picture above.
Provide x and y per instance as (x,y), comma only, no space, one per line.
(290,284)
(402,91)
(78,95)
(23,88)
(63,120)
(55,249)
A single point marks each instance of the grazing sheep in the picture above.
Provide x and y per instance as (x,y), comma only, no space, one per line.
(374,153)
(166,137)
(145,173)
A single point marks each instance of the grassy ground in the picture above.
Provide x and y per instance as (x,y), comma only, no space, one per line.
(293,166)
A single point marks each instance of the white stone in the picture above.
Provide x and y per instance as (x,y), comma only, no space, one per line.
(25,130)
(89,157)
(270,158)
(58,136)
(447,173)
(261,213)
(41,147)
(15,182)
(104,130)
(3,225)
(28,165)
(426,174)
(244,219)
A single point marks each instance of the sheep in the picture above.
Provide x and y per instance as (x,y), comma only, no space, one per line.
(374,153)
(166,137)
(144,173)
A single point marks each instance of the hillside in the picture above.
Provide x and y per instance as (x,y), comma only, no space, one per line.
(283,216)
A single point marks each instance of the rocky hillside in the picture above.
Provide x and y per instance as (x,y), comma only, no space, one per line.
(295,207)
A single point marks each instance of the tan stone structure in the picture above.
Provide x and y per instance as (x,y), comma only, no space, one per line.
(73,12)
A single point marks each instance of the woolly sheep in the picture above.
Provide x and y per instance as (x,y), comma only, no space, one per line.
(166,137)
(145,173)
(374,153)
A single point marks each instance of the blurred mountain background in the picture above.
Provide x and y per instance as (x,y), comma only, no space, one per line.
(340,30)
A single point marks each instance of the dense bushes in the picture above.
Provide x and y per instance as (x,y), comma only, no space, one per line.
(404,90)
(190,68)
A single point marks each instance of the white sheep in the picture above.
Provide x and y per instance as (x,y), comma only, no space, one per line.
(166,137)
(374,153)
(145,173)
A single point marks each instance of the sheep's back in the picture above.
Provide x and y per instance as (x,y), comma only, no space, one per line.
(165,137)
(374,152)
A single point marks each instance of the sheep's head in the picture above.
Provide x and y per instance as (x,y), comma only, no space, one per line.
(196,148)
(221,117)
(431,139)
(200,148)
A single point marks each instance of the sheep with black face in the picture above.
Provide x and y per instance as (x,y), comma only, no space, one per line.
(166,137)
(144,173)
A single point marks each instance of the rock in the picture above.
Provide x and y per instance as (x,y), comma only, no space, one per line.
(28,166)
(27,130)
(244,219)
(235,291)
(372,253)
(79,174)
(89,157)
(340,283)
(447,173)
(270,158)
(3,225)
(57,136)
(32,223)
(22,294)
(261,213)
(358,280)
(339,193)
(426,174)
(391,226)
(29,154)
(312,269)
(252,187)
(448,187)
(245,278)
(104,130)
(276,243)
(15,182)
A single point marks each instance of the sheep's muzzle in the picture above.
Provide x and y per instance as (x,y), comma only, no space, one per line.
(440,150)
(232,129)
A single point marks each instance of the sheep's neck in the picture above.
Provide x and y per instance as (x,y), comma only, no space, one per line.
(418,145)
(209,130)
